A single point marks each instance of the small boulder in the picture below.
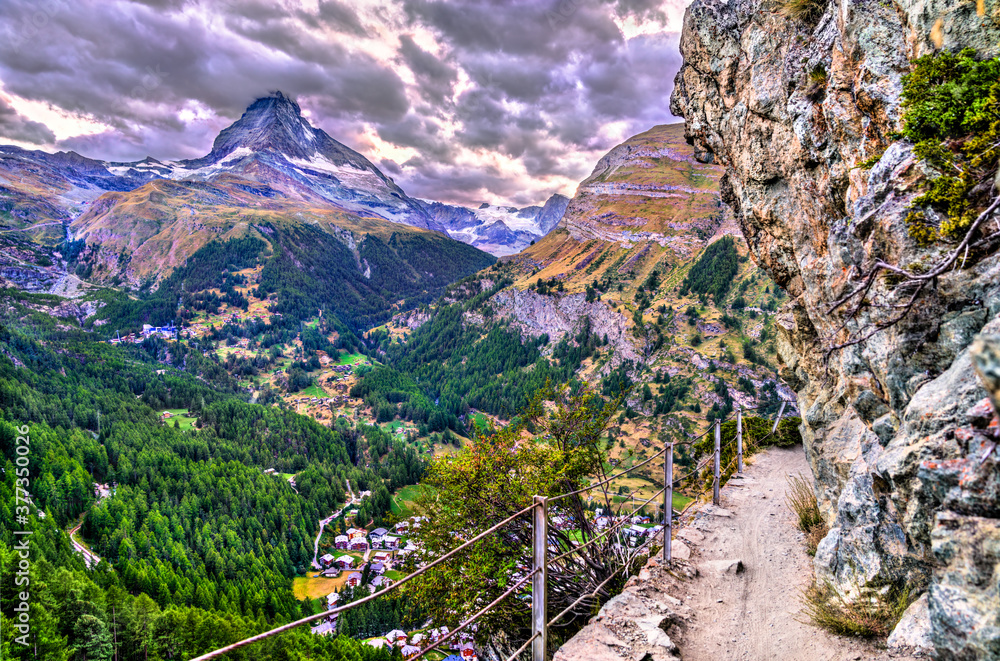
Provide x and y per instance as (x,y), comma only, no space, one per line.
(718,511)
(679,550)
(913,633)
(731,566)
(691,535)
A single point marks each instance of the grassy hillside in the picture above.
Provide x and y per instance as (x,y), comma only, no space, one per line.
(645,285)
(171,240)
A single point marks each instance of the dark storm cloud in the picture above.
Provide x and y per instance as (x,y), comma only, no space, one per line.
(423,134)
(544,71)
(564,65)
(17,127)
(531,81)
(341,17)
(390,167)
(135,68)
(435,77)
(645,9)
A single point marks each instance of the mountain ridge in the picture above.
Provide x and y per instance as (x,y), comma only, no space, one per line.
(498,229)
(271,144)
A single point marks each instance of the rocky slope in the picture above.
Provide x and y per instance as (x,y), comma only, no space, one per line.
(272,147)
(895,427)
(629,237)
(271,167)
(648,193)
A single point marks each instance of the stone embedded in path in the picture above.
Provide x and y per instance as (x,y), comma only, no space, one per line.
(691,535)
(732,566)
(717,511)
(679,550)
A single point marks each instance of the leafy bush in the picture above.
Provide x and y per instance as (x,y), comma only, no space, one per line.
(951,112)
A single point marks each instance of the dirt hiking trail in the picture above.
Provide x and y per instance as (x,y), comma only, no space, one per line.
(754,613)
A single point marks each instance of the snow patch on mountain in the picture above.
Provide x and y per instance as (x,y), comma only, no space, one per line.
(499,230)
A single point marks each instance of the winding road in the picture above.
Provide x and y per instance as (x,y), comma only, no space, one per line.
(324,522)
(88,557)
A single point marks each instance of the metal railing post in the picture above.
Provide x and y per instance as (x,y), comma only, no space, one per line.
(715,486)
(540,545)
(778,419)
(668,502)
(739,439)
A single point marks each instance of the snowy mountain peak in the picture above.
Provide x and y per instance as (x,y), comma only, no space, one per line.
(497,229)
(272,123)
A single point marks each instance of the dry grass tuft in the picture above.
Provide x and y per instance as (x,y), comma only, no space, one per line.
(816,89)
(802,499)
(873,614)
(807,11)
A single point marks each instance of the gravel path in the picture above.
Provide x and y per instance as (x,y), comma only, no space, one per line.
(755,612)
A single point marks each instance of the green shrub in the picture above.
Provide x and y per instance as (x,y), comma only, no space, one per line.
(714,272)
(870,162)
(817,83)
(951,113)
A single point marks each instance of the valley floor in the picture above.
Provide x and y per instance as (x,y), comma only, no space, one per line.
(756,614)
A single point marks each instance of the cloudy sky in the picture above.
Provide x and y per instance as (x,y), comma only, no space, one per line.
(505,101)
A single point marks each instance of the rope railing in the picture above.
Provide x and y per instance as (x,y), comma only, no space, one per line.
(354,604)
(523,647)
(537,575)
(604,534)
(606,481)
(596,590)
(485,609)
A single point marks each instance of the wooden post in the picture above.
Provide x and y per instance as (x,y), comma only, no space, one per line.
(540,544)
(668,501)
(715,486)
(778,419)
(739,439)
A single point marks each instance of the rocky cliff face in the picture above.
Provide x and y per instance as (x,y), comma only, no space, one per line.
(533,315)
(895,427)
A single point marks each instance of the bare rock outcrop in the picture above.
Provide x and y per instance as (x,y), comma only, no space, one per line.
(636,624)
(905,466)
(534,314)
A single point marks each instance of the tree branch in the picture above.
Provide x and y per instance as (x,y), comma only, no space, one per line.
(859,294)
